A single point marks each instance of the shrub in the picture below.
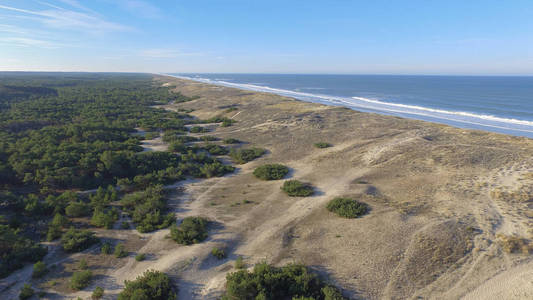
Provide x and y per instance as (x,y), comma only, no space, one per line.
(191,231)
(26,292)
(153,285)
(231,141)
(178,147)
(218,253)
(268,282)
(53,233)
(198,129)
(239,263)
(75,240)
(271,172)
(106,248)
(80,279)
(323,145)
(98,293)
(151,135)
(242,156)
(82,265)
(295,188)
(227,122)
(140,257)
(16,250)
(120,251)
(77,209)
(208,138)
(215,149)
(39,269)
(348,208)
(105,219)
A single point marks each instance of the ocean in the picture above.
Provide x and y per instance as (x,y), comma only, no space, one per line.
(501,104)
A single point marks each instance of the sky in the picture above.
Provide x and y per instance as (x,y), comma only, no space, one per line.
(474,37)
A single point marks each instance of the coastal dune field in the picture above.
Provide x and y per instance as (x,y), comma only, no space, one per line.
(441,201)
(450,210)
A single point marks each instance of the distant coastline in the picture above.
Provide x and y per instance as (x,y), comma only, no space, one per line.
(494,114)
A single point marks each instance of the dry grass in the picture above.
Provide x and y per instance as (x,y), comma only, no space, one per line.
(515,244)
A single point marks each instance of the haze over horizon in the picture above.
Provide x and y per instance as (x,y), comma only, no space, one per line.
(337,37)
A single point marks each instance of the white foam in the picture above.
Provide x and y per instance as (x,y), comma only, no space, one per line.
(456,118)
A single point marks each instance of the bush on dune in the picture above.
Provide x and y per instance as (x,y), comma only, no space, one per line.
(322,145)
(267,282)
(242,156)
(153,285)
(295,188)
(348,208)
(271,172)
(75,240)
(191,231)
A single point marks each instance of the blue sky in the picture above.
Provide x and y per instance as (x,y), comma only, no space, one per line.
(334,36)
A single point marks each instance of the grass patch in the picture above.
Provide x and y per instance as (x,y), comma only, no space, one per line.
(191,231)
(347,208)
(242,156)
(271,172)
(295,188)
(322,145)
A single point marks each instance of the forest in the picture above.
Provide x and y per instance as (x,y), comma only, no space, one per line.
(65,133)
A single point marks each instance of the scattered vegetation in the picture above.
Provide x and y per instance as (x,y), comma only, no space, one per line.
(239,263)
(242,156)
(80,280)
(16,250)
(153,285)
(208,138)
(120,251)
(268,282)
(82,265)
(271,171)
(98,293)
(322,145)
(348,208)
(106,248)
(514,244)
(26,292)
(191,231)
(75,240)
(229,141)
(295,188)
(39,269)
(198,129)
(140,257)
(218,253)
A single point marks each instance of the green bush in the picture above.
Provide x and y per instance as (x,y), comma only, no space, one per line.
(151,135)
(208,138)
(80,280)
(242,156)
(231,141)
(323,145)
(239,263)
(101,218)
(140,257)
(177,147)
(271,172)
(75,240)
(53,233)
(191,231)
(198,129)
(16,250)
(215,149)
(98,293)
(26,292)
(120,251)
(82,265)
(227,122)
(106,248)
(153,285)
(39,269)
(295,188)
(218,253)
(348,208)
(77,209)
(268,282)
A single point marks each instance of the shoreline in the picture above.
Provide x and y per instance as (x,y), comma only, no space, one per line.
(435,191)
(458,119)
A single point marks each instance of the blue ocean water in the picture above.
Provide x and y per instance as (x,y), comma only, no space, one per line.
(492,103)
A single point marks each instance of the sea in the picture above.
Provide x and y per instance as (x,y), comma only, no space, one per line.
(502,104)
